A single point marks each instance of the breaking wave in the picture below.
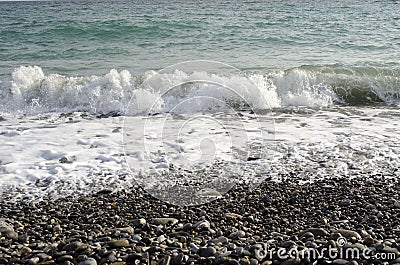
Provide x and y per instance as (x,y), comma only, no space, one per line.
(30,90)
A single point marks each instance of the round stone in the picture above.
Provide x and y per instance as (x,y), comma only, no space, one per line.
(208,252)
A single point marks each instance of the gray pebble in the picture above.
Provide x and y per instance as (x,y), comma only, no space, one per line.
(348,233)
(207,252)
(89,261)
(33,261)
(164,221)
(202,224)
(317,232)
(295,261)
(119,243)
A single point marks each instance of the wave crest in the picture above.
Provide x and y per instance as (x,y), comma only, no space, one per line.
(30,90)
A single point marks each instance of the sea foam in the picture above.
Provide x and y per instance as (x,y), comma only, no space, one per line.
(30,90)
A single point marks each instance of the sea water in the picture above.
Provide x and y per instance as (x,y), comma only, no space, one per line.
(323,75)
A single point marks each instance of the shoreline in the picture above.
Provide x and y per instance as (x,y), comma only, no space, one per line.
(126,226)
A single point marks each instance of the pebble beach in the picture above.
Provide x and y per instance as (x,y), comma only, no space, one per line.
(246,226)
(337,194)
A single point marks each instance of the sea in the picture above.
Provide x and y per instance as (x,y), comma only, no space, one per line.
(101,94)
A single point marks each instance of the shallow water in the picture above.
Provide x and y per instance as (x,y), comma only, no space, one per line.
(306,88)
(312,144)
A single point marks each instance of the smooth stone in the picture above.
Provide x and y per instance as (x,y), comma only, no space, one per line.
(82,247)
(207,252)
(295,261)
(369,241)
(237,234)
(111,257)
(26,250)
(202,224)
(317,232)
(221,240)
(72,246)
(348,233)
(161,239)
(4,226)
(128,229)
(139,222)
(307,236)
(119,243)
(231,246)
(136,238)
(233,216)
(65,258)
(43,256)
(207,192)
(277,234)
(33,261)
(103,252)
(89,261)
(364,233)
(11,235)
(187,227)
(338,222)
(164,221)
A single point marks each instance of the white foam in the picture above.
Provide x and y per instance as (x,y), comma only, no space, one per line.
(32,160)
(30,90)
(51,154)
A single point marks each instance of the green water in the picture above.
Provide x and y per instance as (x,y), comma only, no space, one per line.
(92,37)
(60,55)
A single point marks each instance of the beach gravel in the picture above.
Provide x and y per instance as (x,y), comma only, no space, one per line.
(246,226)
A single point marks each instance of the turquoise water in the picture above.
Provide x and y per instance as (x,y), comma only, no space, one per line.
(324,39)
(76,37)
